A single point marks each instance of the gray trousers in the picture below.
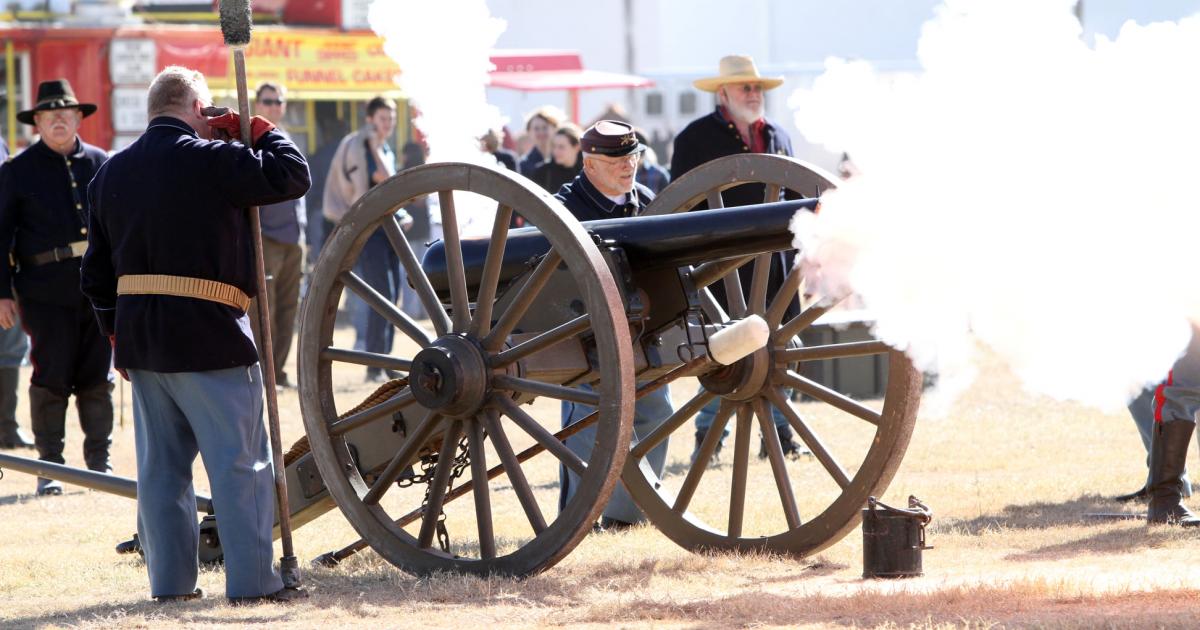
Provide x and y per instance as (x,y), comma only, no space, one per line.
(649,413)
(218,415)
(284,264)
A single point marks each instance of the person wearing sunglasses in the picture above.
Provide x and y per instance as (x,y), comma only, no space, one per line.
(283,227)
(737,125)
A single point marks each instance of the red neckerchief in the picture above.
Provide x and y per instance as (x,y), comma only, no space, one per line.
(758,137)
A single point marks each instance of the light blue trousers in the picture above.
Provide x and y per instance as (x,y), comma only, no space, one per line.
(649,413)
(217,414)
(708,413)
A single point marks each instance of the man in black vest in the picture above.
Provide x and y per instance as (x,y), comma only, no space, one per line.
(44,217)
(605,189)
(738,125)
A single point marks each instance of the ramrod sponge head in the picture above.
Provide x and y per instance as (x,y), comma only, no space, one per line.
(235,22)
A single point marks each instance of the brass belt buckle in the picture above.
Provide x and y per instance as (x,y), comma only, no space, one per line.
(78,248)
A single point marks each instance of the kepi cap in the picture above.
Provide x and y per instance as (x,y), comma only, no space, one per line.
(612,138)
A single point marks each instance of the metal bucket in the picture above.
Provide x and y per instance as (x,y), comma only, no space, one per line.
(893,539)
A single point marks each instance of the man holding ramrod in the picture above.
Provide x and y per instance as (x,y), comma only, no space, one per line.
(170,272)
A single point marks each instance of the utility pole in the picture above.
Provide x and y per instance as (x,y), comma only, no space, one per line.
(630,62)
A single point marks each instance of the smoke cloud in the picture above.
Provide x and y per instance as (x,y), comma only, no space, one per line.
(1026,188)
(443,50)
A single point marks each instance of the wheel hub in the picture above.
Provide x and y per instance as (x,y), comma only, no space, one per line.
(450,376)
(742,380)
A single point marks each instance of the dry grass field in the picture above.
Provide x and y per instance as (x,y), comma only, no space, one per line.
(1008,475)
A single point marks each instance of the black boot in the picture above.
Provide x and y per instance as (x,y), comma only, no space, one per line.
(716,456)
(1168,454)
(48,415)
(94,405)
(11,434)
(787,441)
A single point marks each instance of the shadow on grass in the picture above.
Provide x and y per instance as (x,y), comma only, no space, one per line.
(1103,539)
(31,496)
(212,610)
(14,499)
(370,589)
(1033,516)
(1110,541)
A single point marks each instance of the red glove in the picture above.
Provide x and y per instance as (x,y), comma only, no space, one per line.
(112,341)
(232,126)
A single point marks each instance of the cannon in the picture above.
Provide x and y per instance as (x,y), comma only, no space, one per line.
(598,314)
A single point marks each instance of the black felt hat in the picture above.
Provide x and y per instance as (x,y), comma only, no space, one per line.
(612,138)
(55,94)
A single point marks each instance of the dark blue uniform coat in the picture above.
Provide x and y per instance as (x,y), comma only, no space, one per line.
(172,203)
(40,210)
(710,137)
(714,136)
(588,204)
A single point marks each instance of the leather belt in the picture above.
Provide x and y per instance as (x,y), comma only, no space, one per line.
(72,250)
(183,286)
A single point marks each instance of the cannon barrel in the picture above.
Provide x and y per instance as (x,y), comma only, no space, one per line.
(667,240)
(112,484)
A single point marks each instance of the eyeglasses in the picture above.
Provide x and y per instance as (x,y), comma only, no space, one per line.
(752,88)
(612,162)
(272,102)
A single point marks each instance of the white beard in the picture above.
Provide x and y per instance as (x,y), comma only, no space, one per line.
(744,115)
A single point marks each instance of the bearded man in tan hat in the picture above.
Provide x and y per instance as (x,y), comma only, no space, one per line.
(43,221)
(738,125)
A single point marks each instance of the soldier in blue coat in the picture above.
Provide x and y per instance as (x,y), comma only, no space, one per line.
(170,272)
(43,218)
(605,189)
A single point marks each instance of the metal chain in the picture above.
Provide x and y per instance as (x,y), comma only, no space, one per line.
(428,467)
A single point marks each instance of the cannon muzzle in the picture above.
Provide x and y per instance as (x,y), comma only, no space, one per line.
(650,242)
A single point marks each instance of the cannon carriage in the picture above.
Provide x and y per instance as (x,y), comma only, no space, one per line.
(620,305)
(596,314)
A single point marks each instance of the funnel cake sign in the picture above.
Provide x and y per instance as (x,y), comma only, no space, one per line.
(317,62)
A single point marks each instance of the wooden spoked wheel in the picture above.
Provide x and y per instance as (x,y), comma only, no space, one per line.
(779,504)
(463,397)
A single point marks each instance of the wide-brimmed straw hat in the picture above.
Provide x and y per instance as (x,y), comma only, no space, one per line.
(737,69)
(55,94)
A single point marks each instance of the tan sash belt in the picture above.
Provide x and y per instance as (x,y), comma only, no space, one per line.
(182,286)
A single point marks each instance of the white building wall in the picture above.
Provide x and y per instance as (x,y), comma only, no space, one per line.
(593,27)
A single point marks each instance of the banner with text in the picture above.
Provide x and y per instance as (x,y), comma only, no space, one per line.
(317,63)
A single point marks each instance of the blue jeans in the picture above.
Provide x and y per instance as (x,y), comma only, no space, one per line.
(649,412)
(380,268)
(218,415)
(704,419)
